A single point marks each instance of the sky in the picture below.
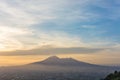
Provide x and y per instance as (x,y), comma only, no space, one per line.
(32,30)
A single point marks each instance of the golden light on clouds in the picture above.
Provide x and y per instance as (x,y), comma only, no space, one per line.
(8,39)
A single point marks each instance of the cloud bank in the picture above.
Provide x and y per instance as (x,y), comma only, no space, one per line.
(52,51)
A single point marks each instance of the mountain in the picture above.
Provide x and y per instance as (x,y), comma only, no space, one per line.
(55,68)
(54,60)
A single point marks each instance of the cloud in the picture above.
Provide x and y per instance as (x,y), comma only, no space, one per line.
(26,13)
(19,19)
(52,50)
(18,39)
(8,40)
(89,26)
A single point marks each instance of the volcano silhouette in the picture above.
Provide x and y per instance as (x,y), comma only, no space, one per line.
(54,60)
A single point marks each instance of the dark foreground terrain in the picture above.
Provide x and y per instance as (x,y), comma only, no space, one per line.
(54,68)
(113,76)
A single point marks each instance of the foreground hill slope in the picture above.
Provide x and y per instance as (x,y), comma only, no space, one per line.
(113,76)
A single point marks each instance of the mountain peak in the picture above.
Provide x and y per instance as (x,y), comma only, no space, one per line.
(53,57)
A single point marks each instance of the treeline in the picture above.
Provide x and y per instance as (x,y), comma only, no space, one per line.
(113,76)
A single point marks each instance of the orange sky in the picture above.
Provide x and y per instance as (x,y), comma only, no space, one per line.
(21,60)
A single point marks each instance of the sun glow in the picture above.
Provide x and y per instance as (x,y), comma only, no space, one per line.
(9,38)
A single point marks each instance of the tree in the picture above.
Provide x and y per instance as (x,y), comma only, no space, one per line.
(113,76)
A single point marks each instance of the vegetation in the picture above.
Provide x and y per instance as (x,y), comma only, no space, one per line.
(113,76)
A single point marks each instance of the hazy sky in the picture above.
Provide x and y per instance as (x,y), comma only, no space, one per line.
(31,30)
